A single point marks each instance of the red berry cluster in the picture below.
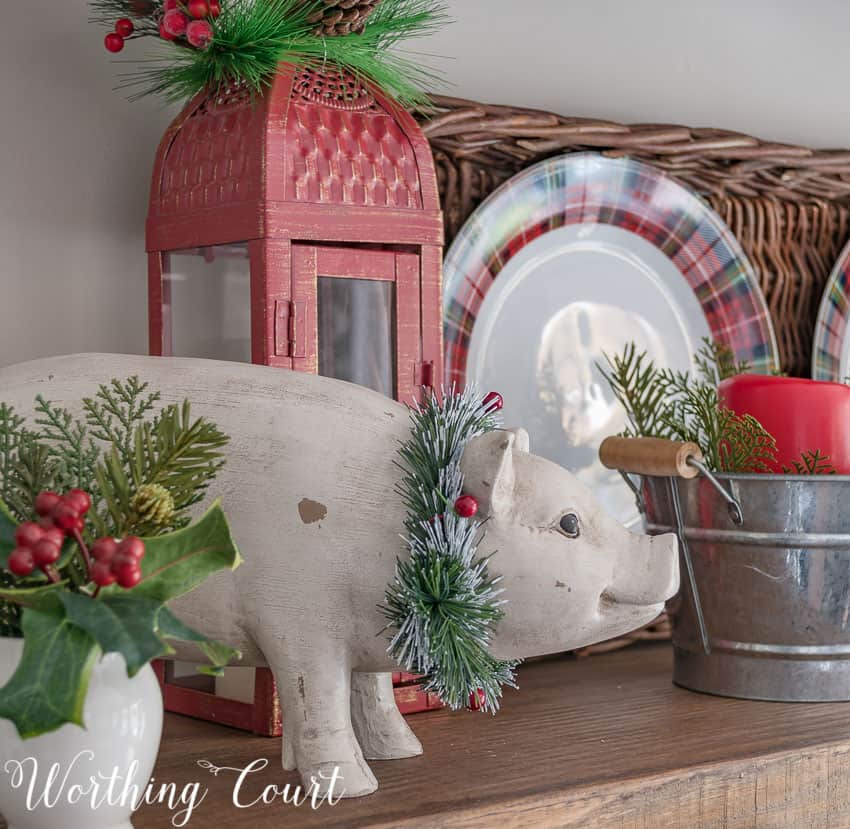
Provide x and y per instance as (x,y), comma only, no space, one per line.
(39,545)
(114,41)
(189,20)
(117,561)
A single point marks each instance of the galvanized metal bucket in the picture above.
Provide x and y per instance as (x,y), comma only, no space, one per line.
(764,608)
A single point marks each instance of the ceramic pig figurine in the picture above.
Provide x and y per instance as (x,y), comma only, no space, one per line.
(310,490)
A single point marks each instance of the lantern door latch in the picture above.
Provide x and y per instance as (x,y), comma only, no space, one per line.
(289,328)
(426,374)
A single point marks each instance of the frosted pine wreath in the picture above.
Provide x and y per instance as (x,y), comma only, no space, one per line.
(215,45)
(443,604)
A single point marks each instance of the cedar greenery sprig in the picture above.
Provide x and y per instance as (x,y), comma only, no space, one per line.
(443,605)
(143,469)
(811,463)
(678,406)
(252,37)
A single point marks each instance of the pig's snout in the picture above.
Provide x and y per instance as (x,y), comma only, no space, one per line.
(648,575)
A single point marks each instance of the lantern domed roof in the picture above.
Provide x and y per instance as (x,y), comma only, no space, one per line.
(315,139)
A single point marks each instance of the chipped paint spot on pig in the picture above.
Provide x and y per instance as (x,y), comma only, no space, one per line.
(311,511)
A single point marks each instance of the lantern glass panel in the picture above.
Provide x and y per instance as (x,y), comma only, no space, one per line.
(357,332)
(207,299)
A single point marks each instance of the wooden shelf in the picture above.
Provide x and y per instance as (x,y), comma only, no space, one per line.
(604,742)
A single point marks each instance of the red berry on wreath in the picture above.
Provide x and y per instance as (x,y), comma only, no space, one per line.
(466,506)
(113,42)
(46,552)
(20,562)
(132,547)
(28,534)
(101,574)
(175,23)
(170,5)
(104,549)
(78,500)
(215,9)
(128,575)
(199,33)
(45,502)
(493,402)
(477,699)
(198,9)
(124,27)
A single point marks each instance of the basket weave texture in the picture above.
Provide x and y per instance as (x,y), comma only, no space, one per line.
(787,205)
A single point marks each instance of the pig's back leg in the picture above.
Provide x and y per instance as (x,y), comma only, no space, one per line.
(314,683)
(381,730)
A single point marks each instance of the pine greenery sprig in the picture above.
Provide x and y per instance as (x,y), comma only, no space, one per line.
(252,37)
(114,450)
(443,605)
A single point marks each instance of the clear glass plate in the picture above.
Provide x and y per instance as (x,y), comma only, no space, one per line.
(573,259)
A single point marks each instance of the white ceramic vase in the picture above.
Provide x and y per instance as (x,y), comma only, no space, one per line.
(123,720)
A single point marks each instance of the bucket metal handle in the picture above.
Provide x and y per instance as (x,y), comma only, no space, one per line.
(662,459)
(668,459)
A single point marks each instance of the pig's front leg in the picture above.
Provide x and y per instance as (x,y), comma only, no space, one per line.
(315,695)
(381,730)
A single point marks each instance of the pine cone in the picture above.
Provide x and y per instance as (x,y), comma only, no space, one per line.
(342,17)
(152,505)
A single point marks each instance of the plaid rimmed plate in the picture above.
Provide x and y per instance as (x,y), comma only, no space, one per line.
(831,348)
(572,259)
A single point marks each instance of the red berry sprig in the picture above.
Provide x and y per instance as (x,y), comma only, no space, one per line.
(466,506)
(117,561)
(114,41)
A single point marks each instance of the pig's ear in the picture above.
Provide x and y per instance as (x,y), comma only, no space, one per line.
(522,443)
(488,468)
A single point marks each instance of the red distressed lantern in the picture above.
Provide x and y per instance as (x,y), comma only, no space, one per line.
(301,229)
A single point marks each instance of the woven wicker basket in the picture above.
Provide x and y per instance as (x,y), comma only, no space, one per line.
(787,205)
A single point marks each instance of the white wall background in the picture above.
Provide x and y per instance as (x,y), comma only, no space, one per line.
(76,156)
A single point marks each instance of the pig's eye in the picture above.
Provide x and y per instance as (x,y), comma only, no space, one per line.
(569,525)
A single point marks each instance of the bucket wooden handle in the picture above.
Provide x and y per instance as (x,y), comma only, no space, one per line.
(650,456)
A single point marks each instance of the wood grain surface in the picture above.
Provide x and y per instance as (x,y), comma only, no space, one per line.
(604,742)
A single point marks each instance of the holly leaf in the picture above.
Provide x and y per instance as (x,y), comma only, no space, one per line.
(120,623)
(7,534)
(44,598)
(178,562)
(219,654)
(49,687)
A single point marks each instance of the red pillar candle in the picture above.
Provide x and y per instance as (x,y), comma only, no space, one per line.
(802,415)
